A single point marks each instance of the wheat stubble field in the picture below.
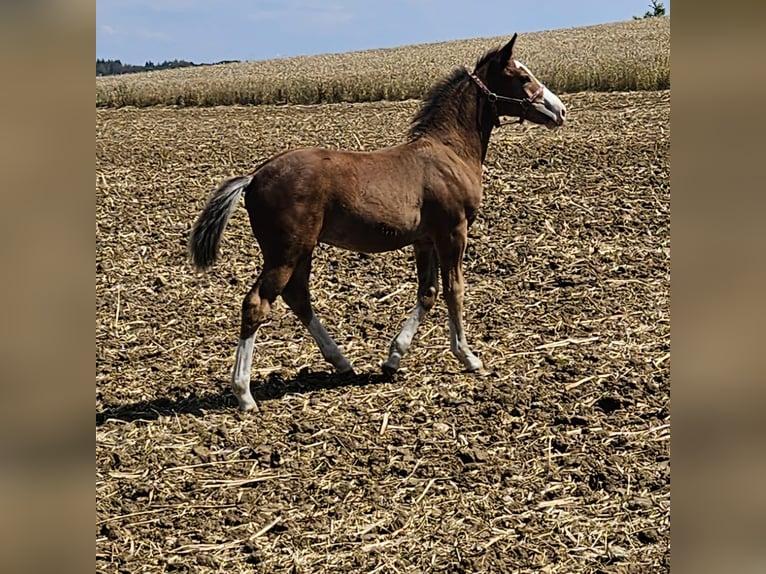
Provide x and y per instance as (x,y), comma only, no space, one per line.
(554,460)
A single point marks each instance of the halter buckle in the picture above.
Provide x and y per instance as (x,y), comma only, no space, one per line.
(492,98)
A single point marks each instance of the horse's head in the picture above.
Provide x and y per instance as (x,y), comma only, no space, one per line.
(514,91)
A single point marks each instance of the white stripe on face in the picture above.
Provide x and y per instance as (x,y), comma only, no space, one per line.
(550,100)
(524,69)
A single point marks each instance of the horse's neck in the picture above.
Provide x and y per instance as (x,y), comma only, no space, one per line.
(485,117)
(470,126)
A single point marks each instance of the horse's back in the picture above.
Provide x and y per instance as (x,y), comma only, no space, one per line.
(363,201)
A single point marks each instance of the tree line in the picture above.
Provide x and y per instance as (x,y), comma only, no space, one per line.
(112,67)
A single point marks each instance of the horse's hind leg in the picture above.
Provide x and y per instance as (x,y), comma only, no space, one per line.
(428,283)
(256,308)
(296,295)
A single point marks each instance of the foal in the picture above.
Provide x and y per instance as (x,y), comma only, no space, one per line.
(425,193)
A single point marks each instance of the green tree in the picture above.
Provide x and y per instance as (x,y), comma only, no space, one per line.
(658,9)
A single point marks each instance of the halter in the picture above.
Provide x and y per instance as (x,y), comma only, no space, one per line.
(492,97)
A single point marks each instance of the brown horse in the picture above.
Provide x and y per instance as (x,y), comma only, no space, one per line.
(424,192)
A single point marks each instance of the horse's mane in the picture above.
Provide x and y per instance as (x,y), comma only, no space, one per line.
(429,113)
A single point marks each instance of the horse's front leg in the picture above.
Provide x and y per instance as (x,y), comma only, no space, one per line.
(451,250)
(428,283)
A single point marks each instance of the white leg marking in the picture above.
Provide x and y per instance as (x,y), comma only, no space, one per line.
(328,347)
(459,346)
(402,341)
(240,378)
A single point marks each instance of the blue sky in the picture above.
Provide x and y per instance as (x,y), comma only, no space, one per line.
(205,31)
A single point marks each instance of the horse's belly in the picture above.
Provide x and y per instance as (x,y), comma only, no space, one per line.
(369,236)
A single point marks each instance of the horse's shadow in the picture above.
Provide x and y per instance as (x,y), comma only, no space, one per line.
(274,387)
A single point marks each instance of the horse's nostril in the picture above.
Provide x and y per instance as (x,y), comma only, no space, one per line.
(563,112)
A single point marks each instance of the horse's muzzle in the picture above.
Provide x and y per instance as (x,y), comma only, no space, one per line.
(556,114)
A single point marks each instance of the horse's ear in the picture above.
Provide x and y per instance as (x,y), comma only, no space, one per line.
(506,53)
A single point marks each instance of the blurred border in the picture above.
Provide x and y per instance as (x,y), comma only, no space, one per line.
(718,232)
(46,246)
(46,294)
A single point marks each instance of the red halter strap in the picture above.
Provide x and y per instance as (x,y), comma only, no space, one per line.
(492,97)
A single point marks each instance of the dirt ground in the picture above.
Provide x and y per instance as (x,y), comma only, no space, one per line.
(555,460)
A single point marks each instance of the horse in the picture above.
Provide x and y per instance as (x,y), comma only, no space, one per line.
(424,192)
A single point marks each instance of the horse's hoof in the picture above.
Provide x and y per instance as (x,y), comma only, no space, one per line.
(388,370)
(474,365)
(246,405)
(346,369)
(391,364)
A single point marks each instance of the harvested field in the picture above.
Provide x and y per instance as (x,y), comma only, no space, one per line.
(555,460)
(632,55)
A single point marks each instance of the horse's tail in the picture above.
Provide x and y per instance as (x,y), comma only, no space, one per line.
(208,229)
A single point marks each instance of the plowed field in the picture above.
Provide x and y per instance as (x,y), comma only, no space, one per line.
(556,459)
